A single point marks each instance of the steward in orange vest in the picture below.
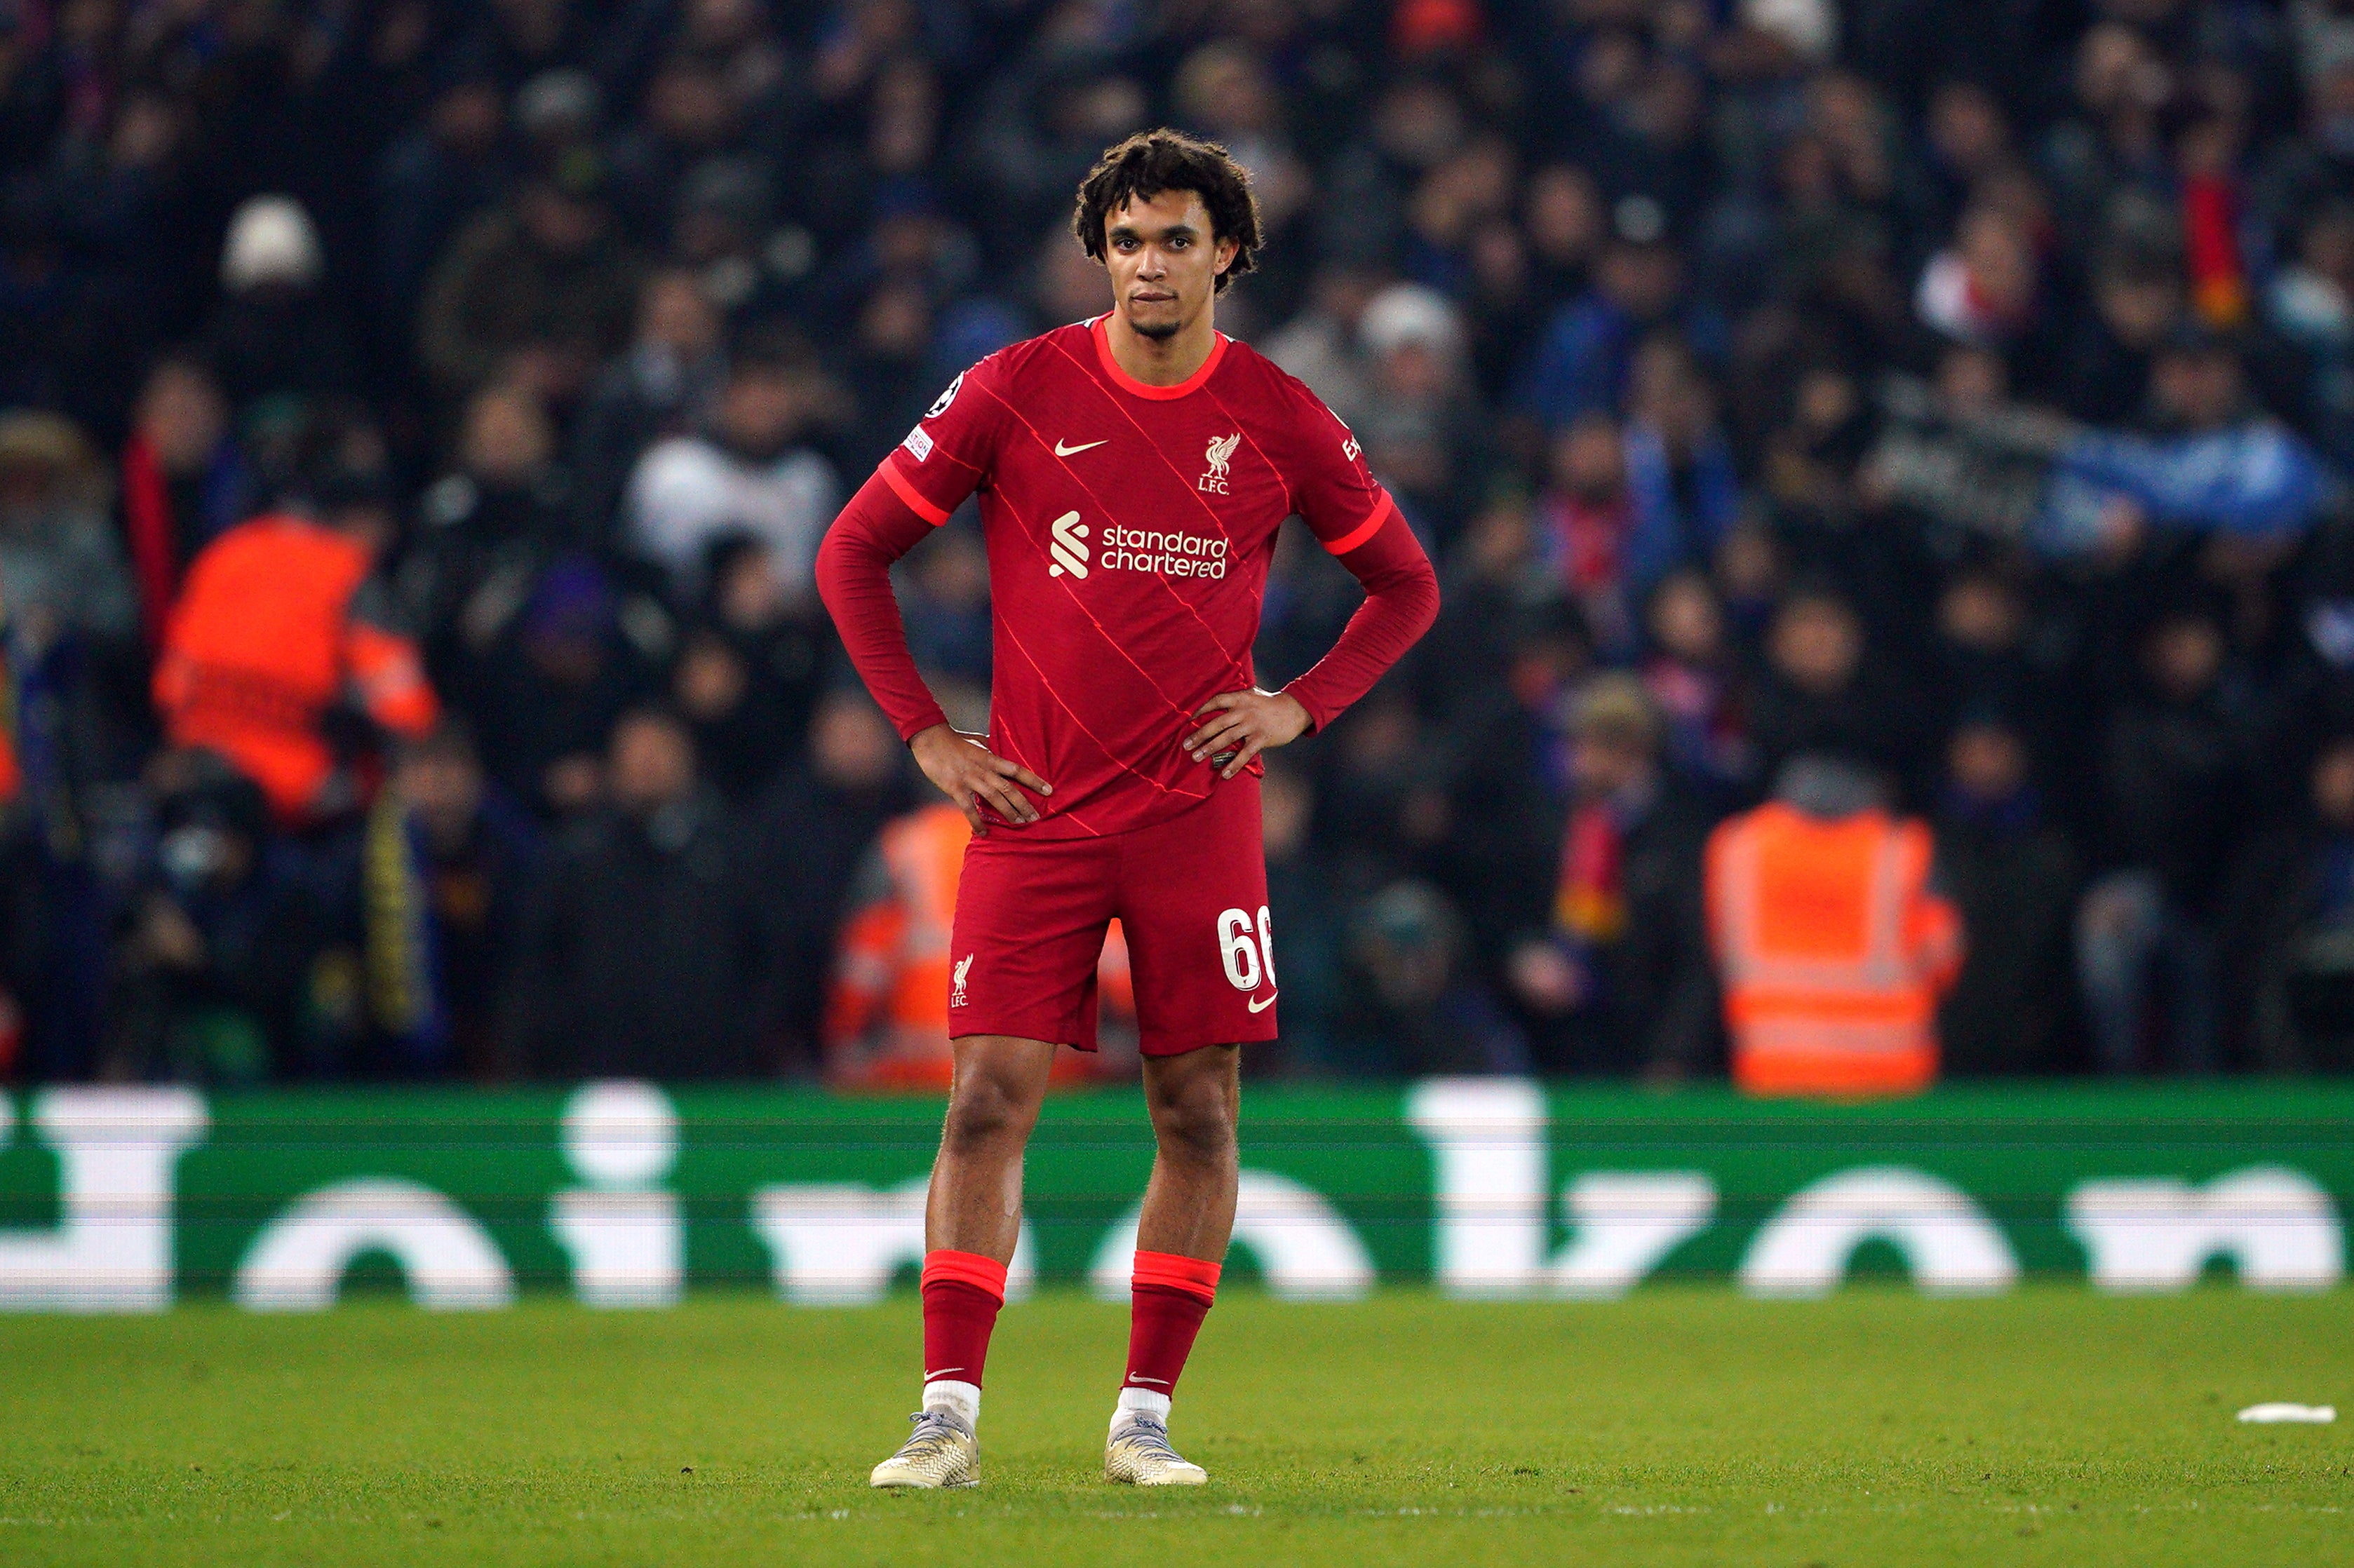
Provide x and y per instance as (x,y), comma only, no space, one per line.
(887,1022)
(278,624)
(1832,948)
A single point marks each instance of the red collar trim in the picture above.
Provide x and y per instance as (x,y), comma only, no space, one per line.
(1127,383)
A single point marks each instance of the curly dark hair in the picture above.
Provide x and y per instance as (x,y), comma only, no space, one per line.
(1152,162)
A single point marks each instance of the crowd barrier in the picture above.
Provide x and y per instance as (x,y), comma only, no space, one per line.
(627,1194)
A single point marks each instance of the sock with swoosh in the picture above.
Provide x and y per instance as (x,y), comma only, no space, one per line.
(1168,1296)
(963,1291)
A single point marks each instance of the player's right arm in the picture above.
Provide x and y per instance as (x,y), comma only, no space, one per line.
(916,488)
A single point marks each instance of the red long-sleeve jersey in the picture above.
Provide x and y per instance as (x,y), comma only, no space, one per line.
(1128,528)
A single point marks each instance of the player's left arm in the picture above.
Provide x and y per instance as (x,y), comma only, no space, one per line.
(1354,518)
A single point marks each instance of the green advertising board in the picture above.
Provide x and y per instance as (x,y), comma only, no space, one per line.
(129,1199)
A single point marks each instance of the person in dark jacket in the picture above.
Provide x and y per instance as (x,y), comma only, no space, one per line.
(474,857)
(2013,876)
(2176,764)
(644,957)
(810,832)
(561,668)
(216,935)
(1820,693)
(2288,929)
(540,290)
(1610,965)
(748,677)
(1413,1001)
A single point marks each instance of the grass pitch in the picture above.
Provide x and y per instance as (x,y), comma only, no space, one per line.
(1682,1426)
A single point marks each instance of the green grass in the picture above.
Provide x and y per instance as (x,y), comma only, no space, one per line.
(1683,1426)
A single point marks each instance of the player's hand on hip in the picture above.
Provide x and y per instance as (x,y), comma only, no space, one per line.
(972,775)
(1241,725)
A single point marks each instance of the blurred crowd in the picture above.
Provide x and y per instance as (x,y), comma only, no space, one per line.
(417,418)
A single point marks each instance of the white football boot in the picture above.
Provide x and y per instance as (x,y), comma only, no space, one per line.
(1139,1454)
(941,1452)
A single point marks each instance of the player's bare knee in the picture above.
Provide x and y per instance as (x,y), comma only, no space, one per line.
(1196,1124)
(985,1110)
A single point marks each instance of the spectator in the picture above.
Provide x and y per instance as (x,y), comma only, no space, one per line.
(2012,878)
(539,290)
(1321,344)
(1583,360)
(747,676)
(1987,290)
(484,530)
(62,572)
(1589,518)
(1692,682)
(1819,694)
(432,180)
(1419,430)
(2138,304)
(2311,305)
(183,482)
(643,958)
(810,833)
(2175,776)
(1303,910)
(474,858)
(1414,1003)
(886,1025)
(1612,966)
(275,329)
(1679,468)
(947,607)
(2287,916)
(751,472)
(555,677)
(2218,465)
(217,933)
(663,386)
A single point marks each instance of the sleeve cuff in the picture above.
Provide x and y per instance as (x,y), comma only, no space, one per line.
(1317,715)
(917,726)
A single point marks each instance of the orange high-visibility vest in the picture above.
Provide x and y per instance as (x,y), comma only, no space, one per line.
(887,1023)
(1833,950)
(263,642)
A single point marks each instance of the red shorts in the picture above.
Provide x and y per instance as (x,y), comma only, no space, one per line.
(1190,893)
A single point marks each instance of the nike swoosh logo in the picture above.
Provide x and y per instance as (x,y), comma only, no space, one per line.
(944,1371)
(1258,1006)
(1133,1378)
(1062,450)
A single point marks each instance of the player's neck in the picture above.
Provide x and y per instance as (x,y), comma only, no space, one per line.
(1161,361)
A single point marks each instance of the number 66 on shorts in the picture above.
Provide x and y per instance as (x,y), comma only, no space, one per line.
(1247,946)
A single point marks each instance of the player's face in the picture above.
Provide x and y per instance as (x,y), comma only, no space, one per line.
(1164,265)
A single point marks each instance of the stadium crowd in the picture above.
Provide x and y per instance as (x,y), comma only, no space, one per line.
(418,419)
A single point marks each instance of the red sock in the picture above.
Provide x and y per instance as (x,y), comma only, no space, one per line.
(963,1291)
(1169,1296)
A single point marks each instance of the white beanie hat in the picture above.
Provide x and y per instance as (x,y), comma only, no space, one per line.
(1809,28)
(1409,313)
(270,240)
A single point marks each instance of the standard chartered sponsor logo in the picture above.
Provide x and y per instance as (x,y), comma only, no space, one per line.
(1169,553)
